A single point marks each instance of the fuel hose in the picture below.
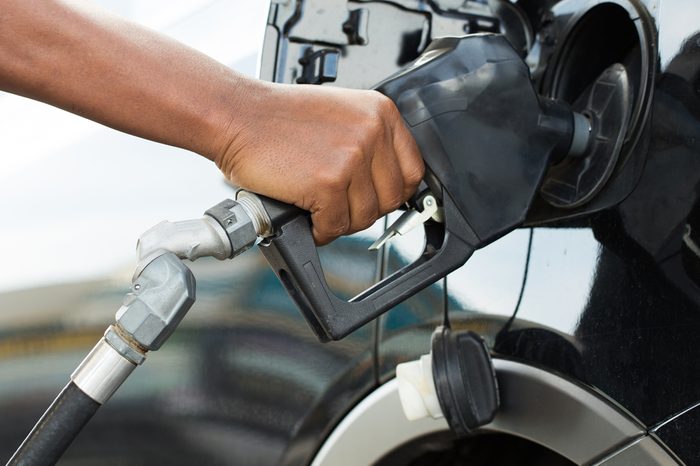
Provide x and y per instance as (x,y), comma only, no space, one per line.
(162,291)
(56,429)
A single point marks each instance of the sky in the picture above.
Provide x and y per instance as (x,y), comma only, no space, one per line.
(75,195)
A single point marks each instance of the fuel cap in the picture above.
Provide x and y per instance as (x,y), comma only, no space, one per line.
(465,379)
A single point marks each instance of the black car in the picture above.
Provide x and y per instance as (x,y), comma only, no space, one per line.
(589,310)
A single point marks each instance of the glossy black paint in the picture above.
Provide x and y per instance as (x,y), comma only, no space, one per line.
(632,335)
(680,434)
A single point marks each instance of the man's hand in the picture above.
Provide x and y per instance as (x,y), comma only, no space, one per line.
(344,155)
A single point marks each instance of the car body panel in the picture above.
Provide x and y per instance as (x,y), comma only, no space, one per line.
(607,301)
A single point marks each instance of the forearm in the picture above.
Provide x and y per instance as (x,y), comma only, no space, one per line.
(118,74)
(343,155)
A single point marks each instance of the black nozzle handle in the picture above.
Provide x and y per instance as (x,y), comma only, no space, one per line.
(294,258)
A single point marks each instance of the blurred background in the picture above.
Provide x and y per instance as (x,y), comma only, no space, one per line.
(75,195)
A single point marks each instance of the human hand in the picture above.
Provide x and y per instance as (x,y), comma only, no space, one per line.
(343,155)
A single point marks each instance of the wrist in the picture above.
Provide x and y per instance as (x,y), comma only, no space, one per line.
(232,116)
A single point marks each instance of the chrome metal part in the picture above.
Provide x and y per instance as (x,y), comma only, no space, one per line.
(376,37)
(256,211)
(102,371)
(410,220)
(123,347)
(187,239)
(238,223)
(581,136)
(160,298)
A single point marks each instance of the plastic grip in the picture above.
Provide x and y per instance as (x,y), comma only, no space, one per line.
(294,258)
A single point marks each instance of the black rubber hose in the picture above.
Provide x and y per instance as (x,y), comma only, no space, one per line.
(56,429)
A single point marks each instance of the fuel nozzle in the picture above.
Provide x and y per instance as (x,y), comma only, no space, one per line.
(487,139)
(574,129)
(600,121)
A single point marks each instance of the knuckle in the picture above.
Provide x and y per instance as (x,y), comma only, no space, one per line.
(330,225)
(363,226)
(385,105)
(373,128)
(367,217)
(354,156)
(378,110)
(392,195)
(393,203)
(415,175)
(330,180)
(338,229)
